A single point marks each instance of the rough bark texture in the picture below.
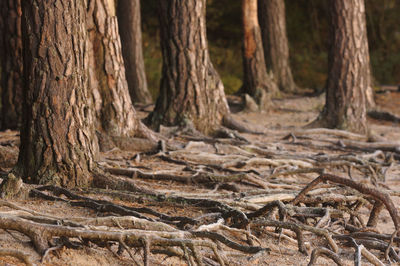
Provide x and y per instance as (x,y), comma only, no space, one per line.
(128,13)
(112,101)
(190,86)
(58,143)
(349,68)
(256,81)
(276,49)
(11,64)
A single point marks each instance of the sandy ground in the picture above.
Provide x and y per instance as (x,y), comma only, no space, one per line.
(287,114)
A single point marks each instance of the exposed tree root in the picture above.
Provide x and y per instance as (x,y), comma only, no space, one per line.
(376,194)
(205,196)
(383,115)
(108,207)
(41,234)
(325,252)
(327,131)
(242,127)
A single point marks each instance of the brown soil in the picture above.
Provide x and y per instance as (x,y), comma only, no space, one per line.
(287,115)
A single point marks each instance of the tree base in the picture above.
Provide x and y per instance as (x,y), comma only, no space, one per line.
(322,121)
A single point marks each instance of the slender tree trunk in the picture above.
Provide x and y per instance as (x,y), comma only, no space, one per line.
(349,68)
(276,49)
(108,83)
(190,87)
(128,13)
(257,82)
(58,142)
(11,64)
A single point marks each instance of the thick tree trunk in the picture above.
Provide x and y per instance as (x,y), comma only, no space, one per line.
(257,82)
(58,142)
(276,49)
(11,64)
(349,68)
(190,87)
(128,13)
(108,83)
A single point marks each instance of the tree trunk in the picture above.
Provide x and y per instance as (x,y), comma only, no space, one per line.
(276,49)
(190,86)
(11,64)
(114,110)
(58,143)
(257,82)
(349,68)
(128,13)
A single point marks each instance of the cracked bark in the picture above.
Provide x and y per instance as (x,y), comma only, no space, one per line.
(58,143)
(349,69)
(190,87)
(11,64)
(113,106)
(116,119)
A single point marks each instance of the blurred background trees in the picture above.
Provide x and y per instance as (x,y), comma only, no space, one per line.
(308,35)
(10,64)
(257,82)
(68,100)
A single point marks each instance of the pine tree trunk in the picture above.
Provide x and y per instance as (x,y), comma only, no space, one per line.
(11,64)
(276,49)
(128,13)
(257,82)
(190,87)
(349,68)
(108,83)
(58,143)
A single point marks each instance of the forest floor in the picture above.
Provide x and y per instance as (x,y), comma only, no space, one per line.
(209,193)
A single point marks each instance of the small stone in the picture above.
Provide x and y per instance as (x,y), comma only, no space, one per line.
(10,187)
(250,104)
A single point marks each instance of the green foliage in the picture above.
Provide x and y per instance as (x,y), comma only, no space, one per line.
(228,63)
(383,22)
(153,62)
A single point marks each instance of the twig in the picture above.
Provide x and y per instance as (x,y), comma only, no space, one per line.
(389,247)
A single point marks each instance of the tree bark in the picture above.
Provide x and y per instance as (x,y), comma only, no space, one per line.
(257,82)
(276,49)
(349,68)
(11,64)
(190,87)
(115,114)
(58,142)
(128,13)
